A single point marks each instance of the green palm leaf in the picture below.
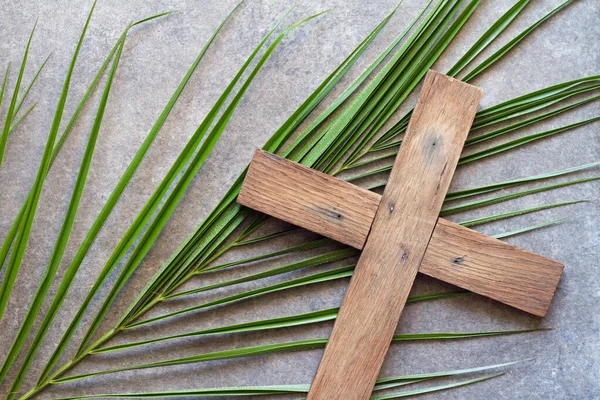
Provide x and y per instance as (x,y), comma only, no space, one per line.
(507,47)
(24,230)
(59,247)
(488,37)
(147,240)
(3,89)
(492,218)
(502,131)
(528,228)
(434,388)
(381,384)
(37,74)
(177,193)
(109,206)
(509,109)
(271,323)
(501,148)
(461,194)
(273,348)
(18,120)
(10,237)
(12,110)
(494,200)
(186,256)
(522,141)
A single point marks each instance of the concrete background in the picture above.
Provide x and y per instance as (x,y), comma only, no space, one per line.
(567,358)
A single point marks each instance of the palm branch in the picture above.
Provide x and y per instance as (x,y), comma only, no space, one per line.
(355,137)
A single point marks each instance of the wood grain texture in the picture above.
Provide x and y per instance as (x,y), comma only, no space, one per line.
(457,255)
(399,236)
(491,268)
(309,199)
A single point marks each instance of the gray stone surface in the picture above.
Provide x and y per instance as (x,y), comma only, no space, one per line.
(567,358)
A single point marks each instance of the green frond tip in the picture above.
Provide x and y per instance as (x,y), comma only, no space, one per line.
(301,145)
(6,73)
(488,37)
(510,128)
(529,228)
(11,112)
(507,47)
(21,118)
(534,101)
(28,89)
(163,14)
(436,388)
(498,217)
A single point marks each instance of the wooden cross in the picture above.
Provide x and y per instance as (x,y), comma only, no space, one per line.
(399,233)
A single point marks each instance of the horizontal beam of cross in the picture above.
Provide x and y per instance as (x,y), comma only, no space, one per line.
(345,212)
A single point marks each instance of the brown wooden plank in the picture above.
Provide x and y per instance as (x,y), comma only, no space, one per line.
(457,255)
(309,199)
(491,268)
(399,236)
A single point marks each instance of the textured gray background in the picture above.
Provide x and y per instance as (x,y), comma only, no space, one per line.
(567,359)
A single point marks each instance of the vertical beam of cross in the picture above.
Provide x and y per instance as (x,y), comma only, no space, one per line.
(399,236)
